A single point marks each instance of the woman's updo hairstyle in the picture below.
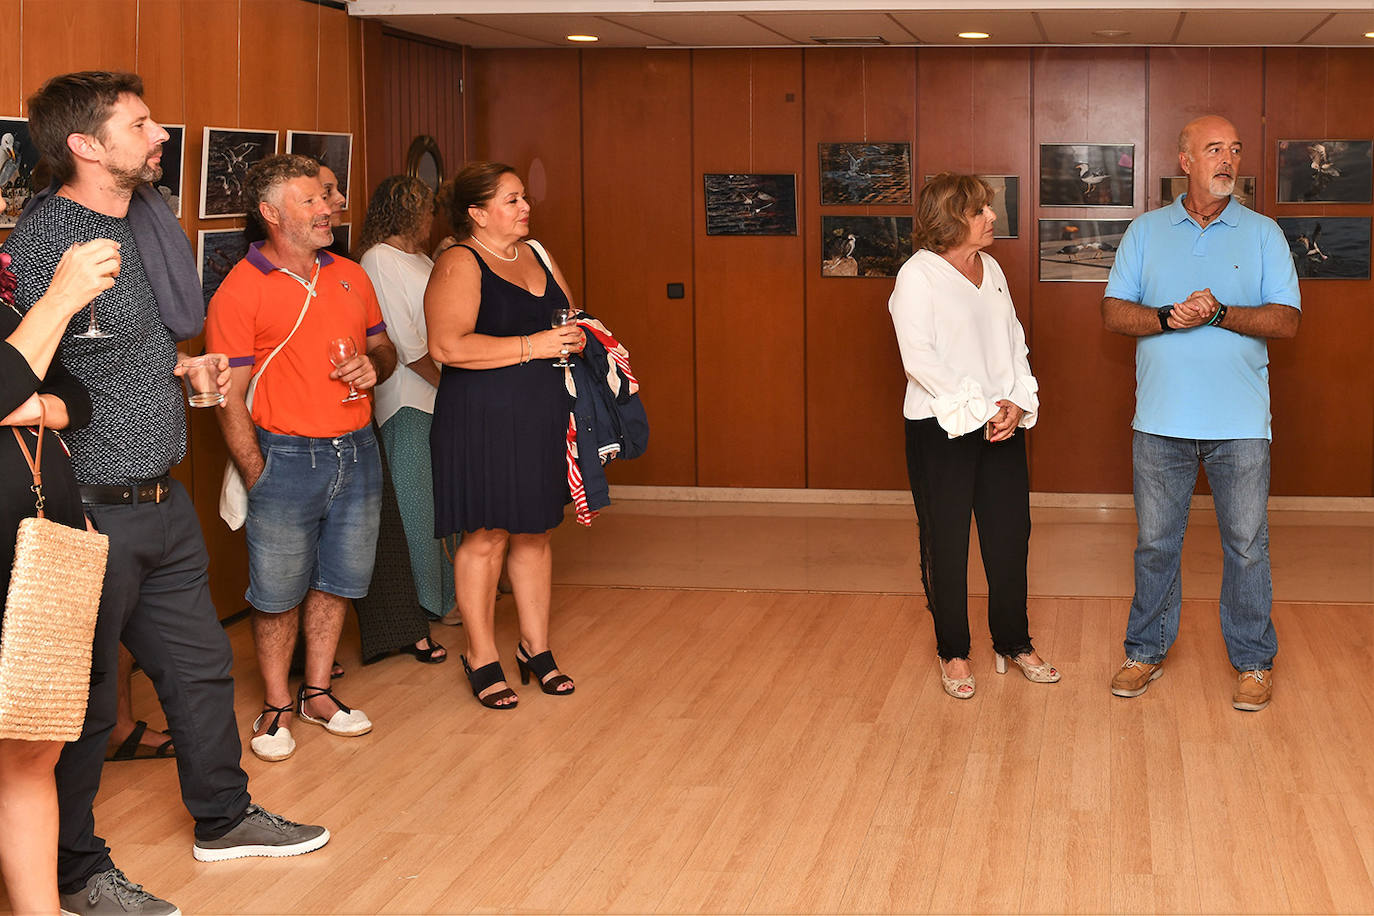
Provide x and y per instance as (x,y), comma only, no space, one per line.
(473,186)
(943,208)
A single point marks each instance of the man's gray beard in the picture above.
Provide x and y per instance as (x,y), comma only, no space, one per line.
(1221,187)
(132,179)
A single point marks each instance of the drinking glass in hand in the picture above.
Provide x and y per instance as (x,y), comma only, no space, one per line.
(92,332)
(562,317)
(341,350)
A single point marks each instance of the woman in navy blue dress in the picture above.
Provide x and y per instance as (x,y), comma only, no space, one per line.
(500,420)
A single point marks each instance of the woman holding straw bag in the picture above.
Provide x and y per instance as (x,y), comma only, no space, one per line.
(34,385)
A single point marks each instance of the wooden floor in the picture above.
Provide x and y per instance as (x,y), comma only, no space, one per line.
(731,752)
(790,750)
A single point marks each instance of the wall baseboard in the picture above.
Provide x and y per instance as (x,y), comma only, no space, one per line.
(903,498)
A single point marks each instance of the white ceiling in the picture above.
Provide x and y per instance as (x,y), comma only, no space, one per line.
(799,23)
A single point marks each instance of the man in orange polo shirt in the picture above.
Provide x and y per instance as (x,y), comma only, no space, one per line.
(309,325)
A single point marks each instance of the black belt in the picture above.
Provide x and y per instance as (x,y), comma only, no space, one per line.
(147,491)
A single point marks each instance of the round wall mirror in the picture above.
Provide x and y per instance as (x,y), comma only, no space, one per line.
(425,162)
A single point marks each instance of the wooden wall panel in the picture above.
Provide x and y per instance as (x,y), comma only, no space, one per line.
(60,37)
(750,306)
(637,241)
(1322,383)
(528,114)
(11,80)
(854,379)
(1082,442)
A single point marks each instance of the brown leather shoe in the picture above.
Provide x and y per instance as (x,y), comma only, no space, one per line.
(1253,690)
(1134,677)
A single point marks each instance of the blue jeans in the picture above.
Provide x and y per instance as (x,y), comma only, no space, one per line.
(312,518)
(1165,472)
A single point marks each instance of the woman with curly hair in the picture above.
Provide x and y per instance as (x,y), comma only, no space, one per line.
(391,248)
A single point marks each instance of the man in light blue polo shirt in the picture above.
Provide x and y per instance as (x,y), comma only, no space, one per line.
(1202,284)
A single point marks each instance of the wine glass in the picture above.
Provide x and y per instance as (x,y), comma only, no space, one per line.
(341,350)
(563,317)
(92,332)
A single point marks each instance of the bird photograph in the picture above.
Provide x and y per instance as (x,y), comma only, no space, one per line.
(227,156)
(865,173)
(18,157)
(1329,247)
(1325,171)
(864,246)
(1087,175)
(1079,249)
(750,204)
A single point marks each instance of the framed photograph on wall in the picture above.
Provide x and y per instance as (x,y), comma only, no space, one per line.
(1170,186)
(741,204)
(1087,174)
(1325,171)
(18,158)
(173,155)
(864,246)
(343,234)
(865,173)
(1328,247)
(226,156)
(1006,204)
(333,150)
(1079,250)
(217,251)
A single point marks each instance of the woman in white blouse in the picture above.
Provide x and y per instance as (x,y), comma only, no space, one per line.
(393,243)
(969,395)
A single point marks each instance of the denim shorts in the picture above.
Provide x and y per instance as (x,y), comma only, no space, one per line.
(312,518)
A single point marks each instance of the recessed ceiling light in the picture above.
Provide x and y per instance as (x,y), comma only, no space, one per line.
(974,35)
(583,38)
(1111,33)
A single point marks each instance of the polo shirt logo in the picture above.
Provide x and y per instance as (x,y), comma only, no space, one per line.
(344,284)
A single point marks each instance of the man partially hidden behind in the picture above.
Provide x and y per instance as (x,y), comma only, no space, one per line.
(306,450)
(104,147)
(1202,284)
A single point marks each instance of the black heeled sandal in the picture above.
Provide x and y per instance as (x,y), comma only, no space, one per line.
(485,677)
(541,666)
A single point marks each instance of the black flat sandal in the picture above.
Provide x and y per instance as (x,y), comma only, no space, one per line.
(485,677)
(541,666)
(431,656)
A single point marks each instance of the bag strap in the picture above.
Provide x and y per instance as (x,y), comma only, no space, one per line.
(540,253)
(35,462)
(309,295)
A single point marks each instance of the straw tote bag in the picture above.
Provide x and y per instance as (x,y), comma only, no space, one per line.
(50,611)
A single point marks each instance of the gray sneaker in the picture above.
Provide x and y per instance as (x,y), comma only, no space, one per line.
(109,893)
(262,833)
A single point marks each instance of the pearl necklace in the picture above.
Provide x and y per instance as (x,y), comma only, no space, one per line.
(494,254)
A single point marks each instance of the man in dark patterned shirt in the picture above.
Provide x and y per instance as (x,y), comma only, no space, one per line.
(103,145)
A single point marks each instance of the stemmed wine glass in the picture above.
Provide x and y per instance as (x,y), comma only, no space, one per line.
(341,350)
(563,317)
(93,331)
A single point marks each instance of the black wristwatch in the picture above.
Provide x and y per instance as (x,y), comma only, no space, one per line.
(1164,318)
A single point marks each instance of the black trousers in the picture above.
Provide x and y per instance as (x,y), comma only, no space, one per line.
(951,481)
(157,596)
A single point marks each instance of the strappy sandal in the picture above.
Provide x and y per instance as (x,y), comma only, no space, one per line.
(346,723)
(484,678)
(276,743)
(541,666)
(132,747)
(431,656)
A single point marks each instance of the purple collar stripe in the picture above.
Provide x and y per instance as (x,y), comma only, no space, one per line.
(259,260)
(236,361)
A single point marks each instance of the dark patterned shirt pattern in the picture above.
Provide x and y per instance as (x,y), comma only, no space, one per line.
(138,423)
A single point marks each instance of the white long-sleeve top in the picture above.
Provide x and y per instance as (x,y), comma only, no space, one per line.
(399,279)
(962,346)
